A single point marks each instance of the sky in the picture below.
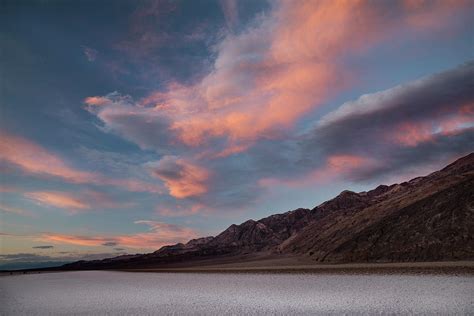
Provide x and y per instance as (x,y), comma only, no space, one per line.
(129,125)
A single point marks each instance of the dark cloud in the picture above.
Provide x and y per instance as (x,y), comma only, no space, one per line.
(109,244)
(43,247)
(425,121)
(430,99)
(119,249)
(168,167)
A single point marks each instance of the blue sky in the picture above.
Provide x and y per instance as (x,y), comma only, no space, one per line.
(128,125)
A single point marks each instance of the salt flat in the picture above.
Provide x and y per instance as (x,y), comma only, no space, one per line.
(107,292)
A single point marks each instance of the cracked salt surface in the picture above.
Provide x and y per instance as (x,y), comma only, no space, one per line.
(122,293)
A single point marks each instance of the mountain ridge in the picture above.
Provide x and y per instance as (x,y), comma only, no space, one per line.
(433,216)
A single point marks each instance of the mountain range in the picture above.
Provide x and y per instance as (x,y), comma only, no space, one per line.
(428,218)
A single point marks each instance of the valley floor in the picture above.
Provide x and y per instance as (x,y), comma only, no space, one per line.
(297,265)
(120,293)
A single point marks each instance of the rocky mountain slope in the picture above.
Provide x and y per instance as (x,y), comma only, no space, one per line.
(425,219)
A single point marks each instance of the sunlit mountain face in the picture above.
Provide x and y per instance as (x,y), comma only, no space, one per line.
(130,125)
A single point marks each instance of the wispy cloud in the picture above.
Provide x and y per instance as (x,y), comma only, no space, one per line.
(156,47)
(158,235)
(14,210)
(58,199)
(74,202)
(230,10)
(33,159)
(180,210)
(90,53)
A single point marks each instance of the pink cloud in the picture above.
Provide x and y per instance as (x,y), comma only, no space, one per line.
(58,199)
(74,202)
(34,159)
(412,134)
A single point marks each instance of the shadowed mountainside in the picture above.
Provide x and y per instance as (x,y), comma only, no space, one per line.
(428,218)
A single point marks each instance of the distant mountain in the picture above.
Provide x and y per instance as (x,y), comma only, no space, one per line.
(24,265)
(425,219)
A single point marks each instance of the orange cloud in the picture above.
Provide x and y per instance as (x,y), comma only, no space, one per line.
(182,177)
(74,240)
(159,234)
(34,159)
(97,101)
